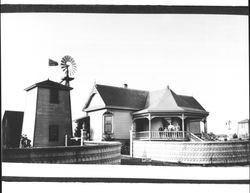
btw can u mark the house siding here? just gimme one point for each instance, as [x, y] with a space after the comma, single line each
[194, 126]
[122, 122]
[96, 125]
[243, 130]
[52, 114]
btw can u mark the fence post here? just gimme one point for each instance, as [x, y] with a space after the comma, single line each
[66, 140]
[82, 137]
[149, 126]
[131, 143]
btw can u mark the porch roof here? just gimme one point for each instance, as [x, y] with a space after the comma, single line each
[166, 101]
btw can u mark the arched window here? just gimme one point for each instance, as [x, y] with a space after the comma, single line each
[107, 123]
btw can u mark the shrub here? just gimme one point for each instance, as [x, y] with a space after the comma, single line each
[25, 142]
[125, 149]
[235, 136]
[108, 137]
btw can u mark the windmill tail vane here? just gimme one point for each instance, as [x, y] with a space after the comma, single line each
[52, 63]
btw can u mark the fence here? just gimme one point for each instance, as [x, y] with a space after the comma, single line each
[90, 153]
[230, 152]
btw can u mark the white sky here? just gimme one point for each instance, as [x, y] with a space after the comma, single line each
[201, 55]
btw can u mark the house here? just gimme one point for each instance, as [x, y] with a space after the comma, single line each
[222, 137]
[243, 129]
[11, 128]
[47, 116]
[116, 110]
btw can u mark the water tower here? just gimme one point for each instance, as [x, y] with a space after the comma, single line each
[47, 116]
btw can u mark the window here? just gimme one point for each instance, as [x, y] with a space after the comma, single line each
[107, 123]
[54, 96]
[53, 133]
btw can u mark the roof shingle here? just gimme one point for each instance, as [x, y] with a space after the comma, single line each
[122, 97]
[145, 101]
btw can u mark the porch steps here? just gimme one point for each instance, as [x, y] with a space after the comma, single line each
[206, 137]
[194, 137]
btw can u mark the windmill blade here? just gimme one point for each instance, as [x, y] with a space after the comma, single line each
[68, 65]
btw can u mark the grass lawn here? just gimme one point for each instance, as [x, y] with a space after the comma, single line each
[127, 160]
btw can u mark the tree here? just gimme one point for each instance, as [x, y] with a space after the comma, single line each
[235, 136]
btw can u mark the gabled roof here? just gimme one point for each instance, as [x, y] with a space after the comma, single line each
[49, 84]
[164, 100]
[119, 97]
[187, 102]
[161, 100]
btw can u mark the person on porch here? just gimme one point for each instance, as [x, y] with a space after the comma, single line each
[177, 127]
[160, 131]
[170, 127]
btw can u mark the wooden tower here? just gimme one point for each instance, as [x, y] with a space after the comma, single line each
[47, 116]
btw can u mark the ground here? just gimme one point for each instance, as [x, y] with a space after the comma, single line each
[127, 160]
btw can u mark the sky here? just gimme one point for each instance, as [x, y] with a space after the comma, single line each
[205, 56]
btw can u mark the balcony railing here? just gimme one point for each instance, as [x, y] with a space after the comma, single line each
[161, 135]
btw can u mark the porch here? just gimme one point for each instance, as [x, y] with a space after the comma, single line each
[168, 126]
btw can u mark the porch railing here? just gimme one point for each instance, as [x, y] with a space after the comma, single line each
[161, 135]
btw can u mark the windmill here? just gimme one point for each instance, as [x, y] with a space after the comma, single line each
[68, 66]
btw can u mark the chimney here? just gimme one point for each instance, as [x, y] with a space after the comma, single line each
[125, 85]
[168, 87]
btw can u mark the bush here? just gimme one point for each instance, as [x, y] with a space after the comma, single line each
[235, 136]
[25, 142]
[125, 149]
[108, 137]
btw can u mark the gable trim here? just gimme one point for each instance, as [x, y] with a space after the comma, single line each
[93, 92]
[109, 107]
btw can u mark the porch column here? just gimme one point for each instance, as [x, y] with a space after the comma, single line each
[149, 126]
[132, 131]
[182, 124]
[205, 125]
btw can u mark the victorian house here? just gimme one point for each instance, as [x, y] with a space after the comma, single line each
[156, 115]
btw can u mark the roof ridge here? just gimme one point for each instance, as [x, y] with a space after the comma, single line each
[122, 88]
[43, 83]
[13, 111]
[184, 95]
